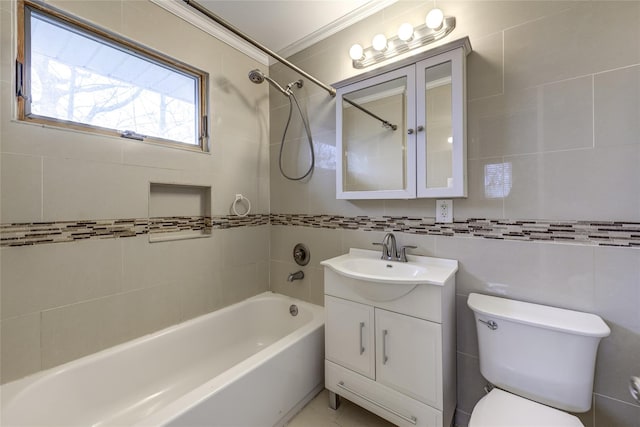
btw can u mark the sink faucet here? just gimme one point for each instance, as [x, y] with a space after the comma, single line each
[390, 251]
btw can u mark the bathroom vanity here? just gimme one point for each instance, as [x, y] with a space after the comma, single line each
[390, 336]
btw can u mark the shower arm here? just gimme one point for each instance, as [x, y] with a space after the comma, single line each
[245, 37]
[385, 123]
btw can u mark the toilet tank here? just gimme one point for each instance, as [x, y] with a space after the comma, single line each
[543, 353]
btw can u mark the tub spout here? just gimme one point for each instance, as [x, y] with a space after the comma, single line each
[298, 275]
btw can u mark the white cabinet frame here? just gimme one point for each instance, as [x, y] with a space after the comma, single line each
[416, 143]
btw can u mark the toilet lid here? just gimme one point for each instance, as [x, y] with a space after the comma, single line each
[502, 409]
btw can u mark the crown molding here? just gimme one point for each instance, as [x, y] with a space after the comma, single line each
[181, 10]
[330, 29]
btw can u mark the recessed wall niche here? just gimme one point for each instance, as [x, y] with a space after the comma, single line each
[179, 211]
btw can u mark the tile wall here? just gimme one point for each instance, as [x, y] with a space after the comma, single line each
[61, 301]
[554, 93]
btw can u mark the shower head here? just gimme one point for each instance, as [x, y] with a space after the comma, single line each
[257, 77]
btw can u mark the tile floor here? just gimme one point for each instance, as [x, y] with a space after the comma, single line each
[318, 414]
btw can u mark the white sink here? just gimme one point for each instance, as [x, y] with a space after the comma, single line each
[382, 280]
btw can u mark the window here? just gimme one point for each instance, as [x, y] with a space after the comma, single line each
[73, 75]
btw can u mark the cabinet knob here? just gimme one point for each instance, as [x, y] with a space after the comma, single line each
[420, 128]
[410, 131]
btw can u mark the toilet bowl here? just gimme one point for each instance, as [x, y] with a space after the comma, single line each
[502, 409]
[540, 359]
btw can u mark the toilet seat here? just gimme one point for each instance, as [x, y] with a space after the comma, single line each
[502, 409]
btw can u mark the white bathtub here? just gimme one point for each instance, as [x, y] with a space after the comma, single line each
[250, 364]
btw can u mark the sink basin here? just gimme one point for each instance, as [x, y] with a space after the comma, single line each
[382, 280]
[382, 271]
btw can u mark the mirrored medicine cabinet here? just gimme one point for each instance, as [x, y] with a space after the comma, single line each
[401, 129]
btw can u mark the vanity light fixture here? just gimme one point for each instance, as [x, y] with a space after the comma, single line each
[405, 32]
[379, 42]
[434, 19]
[356, 52]
[436, 27]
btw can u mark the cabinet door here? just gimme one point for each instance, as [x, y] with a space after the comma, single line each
[441, 143]
[349, 335]
[409, 356]
[375, 150]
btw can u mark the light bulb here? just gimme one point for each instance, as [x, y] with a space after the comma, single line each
[405, 32]
[379, 42]
[434, 19]
[356, 52]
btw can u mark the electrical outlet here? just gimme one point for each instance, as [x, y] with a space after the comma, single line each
[444, 210]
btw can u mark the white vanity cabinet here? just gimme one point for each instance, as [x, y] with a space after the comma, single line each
[395, 357]
[409, 356]
[351, 327]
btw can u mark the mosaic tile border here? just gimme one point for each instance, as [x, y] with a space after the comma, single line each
[35, 233]
[594, 233]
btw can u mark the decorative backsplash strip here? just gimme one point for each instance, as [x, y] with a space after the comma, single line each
[34, 233]
[601, 233]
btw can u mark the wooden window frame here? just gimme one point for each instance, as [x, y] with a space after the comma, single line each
[23, 89]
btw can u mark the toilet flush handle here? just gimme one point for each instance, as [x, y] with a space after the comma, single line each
[634, 388]
[490, 324]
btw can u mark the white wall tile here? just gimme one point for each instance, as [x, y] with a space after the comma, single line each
[537, 52]
[103, 13]
[617, 275]
[240, 283]
[613, 413]
[148, 264]
[546, 118]
[466, 334]
[489, 182]
[544, 273]
[484, 67]
[6, 45]
[20, 346]
[471, 381]
[69, 332]
[503, 124]
[21, 188]
[567, 114]
[75, 189]
[592, 184]
[40, 277]
[50, 142]
[617, 107]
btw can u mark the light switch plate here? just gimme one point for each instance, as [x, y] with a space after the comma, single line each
[444, 211]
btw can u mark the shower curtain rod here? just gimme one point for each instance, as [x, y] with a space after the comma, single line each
[245, 37]
[387, 124]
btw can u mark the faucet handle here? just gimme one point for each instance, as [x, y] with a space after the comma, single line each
[402, 257]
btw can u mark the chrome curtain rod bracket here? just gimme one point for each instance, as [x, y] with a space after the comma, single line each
[248, 39]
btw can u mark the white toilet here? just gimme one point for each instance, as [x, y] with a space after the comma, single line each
[538, 358]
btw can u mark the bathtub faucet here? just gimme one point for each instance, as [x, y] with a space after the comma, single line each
[298, 275]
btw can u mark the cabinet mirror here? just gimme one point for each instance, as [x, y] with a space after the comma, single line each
[375, 144]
